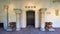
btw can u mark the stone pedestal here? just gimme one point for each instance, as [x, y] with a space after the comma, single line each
[9, 29]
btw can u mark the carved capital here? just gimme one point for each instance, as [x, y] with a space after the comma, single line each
[42, 10]
[18, 11]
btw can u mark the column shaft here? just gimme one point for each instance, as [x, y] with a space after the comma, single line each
[18, 22]
[42, 22]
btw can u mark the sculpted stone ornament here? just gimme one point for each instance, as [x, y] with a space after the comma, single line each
[55, 1]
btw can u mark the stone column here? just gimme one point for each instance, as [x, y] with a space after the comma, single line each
[18, 15]
[18, 18]
[6, 19]
[42, 14]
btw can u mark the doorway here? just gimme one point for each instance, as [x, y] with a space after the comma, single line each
[1, 25]
[30, 16]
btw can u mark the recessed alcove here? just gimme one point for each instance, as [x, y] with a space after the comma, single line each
[1, 25]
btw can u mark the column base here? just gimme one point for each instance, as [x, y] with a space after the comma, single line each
[42, 29]
[18, 29]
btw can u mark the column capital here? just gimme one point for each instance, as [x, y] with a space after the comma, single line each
[18, 11]
[42, 10]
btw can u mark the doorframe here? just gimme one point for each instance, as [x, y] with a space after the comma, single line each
[26, 16]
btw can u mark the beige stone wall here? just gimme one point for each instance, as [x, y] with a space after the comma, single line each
[38, 3]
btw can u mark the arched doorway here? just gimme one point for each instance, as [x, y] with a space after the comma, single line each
[30, 16]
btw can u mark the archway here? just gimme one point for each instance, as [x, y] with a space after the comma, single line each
[30, 18]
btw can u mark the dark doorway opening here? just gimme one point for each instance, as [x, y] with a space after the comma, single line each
[1, 25]
[30, 16]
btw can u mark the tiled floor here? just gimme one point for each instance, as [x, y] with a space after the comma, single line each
[30, 30]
